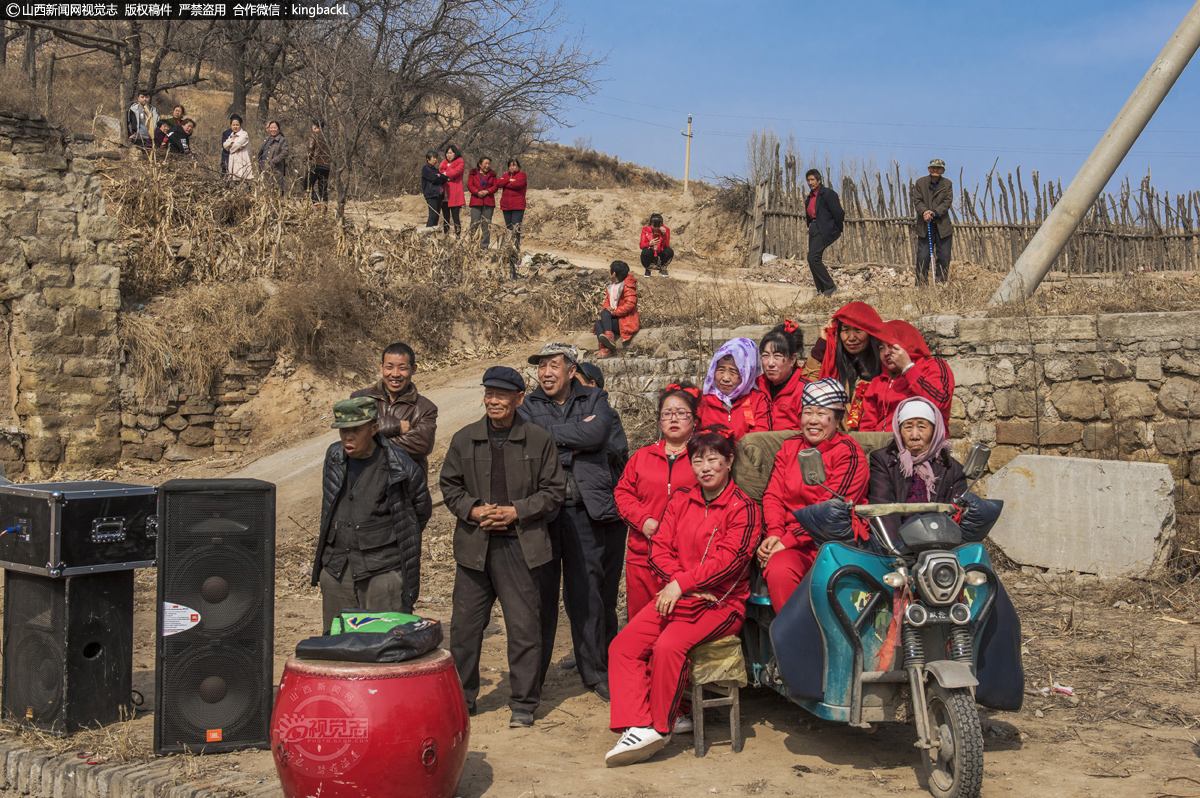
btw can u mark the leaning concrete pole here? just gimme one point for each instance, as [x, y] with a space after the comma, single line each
[1098, 169]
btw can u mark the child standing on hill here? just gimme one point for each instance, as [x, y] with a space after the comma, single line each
[656, 245]
[619, 320]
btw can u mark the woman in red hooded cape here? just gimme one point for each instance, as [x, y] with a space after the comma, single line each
[853, 360]
[909, 370]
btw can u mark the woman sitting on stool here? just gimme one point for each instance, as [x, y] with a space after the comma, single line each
[702, 551]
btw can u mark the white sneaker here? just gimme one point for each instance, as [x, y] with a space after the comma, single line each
[683, 725]
[635, 745]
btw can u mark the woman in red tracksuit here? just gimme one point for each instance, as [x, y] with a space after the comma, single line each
[848, 351]
[787, 552]
[909, 370]
[481, 184]
[729, 399]
[702, 552]
[512, 201]
[782, 383]
[650, 478]
[453, 200]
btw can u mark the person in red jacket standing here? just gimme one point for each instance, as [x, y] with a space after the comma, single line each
[656, 245]
[729, 399]
[512, 201]
[651, 477]
[788, 551]
[619, 319]
[452, 201]
[782, 383]
[481, 184]
[909, 370]
[702, 552]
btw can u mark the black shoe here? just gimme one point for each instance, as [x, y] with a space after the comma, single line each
[567, 664]
[647, 272]
[472, 711]
[601, 690]
[521, 719]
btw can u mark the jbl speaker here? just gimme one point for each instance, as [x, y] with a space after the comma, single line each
[68, 650]
[216, 602]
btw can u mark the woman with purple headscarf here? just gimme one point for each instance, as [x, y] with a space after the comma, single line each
[729, 402]
[916, 466]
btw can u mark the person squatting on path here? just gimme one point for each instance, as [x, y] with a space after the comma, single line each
[853, 360]
[406, 418]
[433, 188]
[452, 201]
[782, 383]
[908, 370]
[729, 399]
[580, 420]
[932, 196]
[653, 475]
[825, 216]
[374, 508]
[701, 551]
[787, 552]
[481, 185]
[501, 479]
[619, 318]
[655, 244]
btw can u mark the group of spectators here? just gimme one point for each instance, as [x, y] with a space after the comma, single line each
[442, 188]
[171, 136]
[546, 496]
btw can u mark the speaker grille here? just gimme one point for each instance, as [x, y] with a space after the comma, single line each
[217, 545]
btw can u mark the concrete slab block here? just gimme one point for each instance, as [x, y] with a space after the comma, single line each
[1090, 516]
[1149, 325]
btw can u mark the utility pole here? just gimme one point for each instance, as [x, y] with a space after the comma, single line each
[1029, 270]
[687, 158]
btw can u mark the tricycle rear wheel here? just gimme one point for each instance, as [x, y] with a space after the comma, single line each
[954, 762]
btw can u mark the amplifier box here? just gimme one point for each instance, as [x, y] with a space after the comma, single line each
[71, 528]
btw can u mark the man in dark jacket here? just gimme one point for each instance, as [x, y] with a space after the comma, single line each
[932, 196]
[501, 479]
[580, 420]
[825, 216]
[433, 187]
[374, 507]
[406, 418]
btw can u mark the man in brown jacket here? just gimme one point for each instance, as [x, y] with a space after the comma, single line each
[932, 196]
[320, 159]
[406, 418]
[501, 479]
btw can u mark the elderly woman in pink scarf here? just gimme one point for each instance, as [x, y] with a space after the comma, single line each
[916, 466]
[730, 402]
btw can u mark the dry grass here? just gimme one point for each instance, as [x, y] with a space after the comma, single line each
[119, 743]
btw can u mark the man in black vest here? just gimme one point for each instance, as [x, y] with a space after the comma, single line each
[374, 507]
[825, 216]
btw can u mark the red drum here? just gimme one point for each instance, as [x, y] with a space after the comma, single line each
[348, 730]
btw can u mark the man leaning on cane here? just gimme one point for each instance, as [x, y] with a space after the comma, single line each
[932, 196]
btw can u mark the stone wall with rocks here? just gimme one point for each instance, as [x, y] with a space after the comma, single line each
[59, 299]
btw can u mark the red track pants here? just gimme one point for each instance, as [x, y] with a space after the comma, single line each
[648, 664]
[784, 572]
[641, 584]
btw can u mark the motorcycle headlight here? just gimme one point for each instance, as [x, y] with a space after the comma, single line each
[940, 578]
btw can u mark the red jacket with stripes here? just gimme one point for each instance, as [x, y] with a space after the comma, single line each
[929, 376]
[747, 414]
[846, 473]
[783, 409]
[648, 482]
[707, 545]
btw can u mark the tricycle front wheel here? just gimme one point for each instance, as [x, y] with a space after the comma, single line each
[954, 762]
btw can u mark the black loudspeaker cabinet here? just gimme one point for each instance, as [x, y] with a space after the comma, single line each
[216, 599]
[68, 650]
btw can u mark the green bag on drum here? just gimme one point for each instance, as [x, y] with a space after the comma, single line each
[361, 621]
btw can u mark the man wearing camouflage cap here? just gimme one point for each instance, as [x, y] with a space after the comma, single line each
[581, 422]
[374, 507]
[932, 197]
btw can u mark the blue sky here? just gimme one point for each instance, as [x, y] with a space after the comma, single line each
[1033, 83]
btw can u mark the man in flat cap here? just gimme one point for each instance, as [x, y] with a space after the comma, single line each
[581, 422]
[374, 507]
[501, 479]
[932, 197]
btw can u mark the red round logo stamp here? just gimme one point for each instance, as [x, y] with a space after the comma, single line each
[326, 732]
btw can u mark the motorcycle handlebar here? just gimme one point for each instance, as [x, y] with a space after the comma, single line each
[876, 510]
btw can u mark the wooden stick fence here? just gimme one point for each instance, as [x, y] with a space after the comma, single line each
[1139, 229]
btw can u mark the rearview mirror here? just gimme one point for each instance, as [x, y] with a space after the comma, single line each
[977, 461]
[811, 467]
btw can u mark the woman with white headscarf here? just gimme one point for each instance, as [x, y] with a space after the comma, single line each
[730, 402]
[916, 466]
